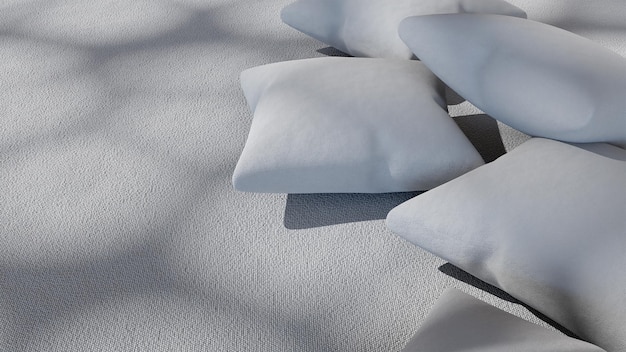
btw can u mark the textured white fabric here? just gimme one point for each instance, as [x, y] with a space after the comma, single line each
[545, 223]
[537, 78]
[461, 323]
[369, 28]
[330, 125]
[119, 227]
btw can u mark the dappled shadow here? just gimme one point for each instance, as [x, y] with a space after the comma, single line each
[118, 120]
[38, 298]
[198, 27]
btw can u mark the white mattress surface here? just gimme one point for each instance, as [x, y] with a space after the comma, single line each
[122, 122]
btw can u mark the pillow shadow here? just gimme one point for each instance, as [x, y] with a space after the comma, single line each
[484, 134]
[303, 211]
[452, 97]
[331, 51]
[461, 275]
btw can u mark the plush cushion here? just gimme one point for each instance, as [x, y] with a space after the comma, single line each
[461, 323]
[345, 125]
[545, 223]
[370, 27]
[536, 78]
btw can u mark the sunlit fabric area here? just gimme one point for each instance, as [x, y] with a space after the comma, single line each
[121, 124]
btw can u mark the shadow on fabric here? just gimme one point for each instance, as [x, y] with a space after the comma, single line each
[483, 132]
[304, 211]
[469, 279]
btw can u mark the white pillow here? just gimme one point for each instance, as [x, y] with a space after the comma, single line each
[536, 78]
[370, 27]
[545, 223]
[459, 322]
[345, 125]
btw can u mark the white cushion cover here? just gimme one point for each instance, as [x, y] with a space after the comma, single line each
[545, 223]
[461, 323]
[370, 27]
[336, 124]
[536, 78]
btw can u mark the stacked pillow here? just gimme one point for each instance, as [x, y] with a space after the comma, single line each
[339, 124]
[545, 223]
[536, 78]
[459, 322]
[369, 28]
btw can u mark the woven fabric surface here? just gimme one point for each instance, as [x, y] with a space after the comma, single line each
[122, 122]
